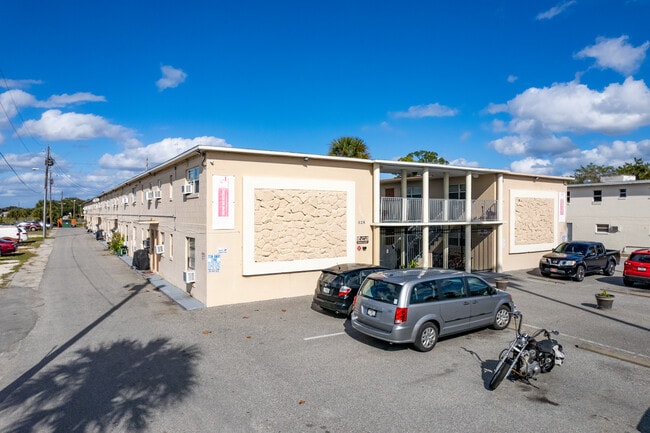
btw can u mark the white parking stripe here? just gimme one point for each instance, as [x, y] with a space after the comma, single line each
[323, 336]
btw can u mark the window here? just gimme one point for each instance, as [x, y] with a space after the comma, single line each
[191, 254]
[193, 178]
[423, 292]
[568, 197]
[478, 287]
[414, 192]
[171, 186]
[452, 288]
[134, 192]
[602, 228]
[457, 192]
[622, 193]
[598, 196]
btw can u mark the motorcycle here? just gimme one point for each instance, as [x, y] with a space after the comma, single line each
[527, 357]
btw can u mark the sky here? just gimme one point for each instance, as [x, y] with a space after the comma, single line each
[114, 87]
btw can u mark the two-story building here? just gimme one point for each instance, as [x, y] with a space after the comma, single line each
[613, 211]
[234, 225]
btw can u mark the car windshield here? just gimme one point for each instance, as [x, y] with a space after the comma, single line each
[641, 258]
[380, 291]
[571, 248]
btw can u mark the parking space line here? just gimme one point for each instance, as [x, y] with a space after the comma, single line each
[323, 336]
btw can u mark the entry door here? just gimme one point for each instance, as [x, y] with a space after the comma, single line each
[153, 235]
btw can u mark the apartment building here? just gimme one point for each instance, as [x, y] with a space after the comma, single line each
[614, 211]
[234, 225]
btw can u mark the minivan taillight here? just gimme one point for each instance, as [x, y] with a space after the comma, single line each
[344, 291]
[400, 315]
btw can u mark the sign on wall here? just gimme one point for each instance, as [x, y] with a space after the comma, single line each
[223, 202]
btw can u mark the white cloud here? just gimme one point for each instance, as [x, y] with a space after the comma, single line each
[512, 78]
[18, 84]
[510, 145]
[554, 11]
[156, 153]
[532, 166]
[57, 126]
[430, 110]
[65, 99]
[573, 107]
[462, 162]
[171, 78]
[13, 100]
[616, 53]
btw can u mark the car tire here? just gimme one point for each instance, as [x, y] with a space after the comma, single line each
[427, 337]
[501, 318]
[628, 282]
[580, 274]
[609, 269]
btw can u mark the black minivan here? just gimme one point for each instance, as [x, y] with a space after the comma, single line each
[337, 286]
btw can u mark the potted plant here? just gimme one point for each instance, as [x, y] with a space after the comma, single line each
[604, 300]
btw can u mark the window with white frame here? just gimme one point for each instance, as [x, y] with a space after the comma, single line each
[191, 254]
[457, 192]
[193, 178]
[602, 228]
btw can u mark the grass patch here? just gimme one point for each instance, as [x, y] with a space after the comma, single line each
[26, 251]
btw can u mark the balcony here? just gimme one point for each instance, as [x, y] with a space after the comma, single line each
[409, 210]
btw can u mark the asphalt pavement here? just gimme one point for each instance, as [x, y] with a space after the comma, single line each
[90, 345]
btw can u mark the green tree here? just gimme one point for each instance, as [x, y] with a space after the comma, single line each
[638, 168]
[349, 147]
[592, 173]
[424, 156]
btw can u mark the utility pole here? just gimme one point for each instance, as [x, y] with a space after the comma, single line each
[49, 162]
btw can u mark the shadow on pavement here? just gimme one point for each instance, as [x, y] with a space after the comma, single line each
[122, 384]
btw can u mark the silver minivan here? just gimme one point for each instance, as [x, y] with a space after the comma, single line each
[419, 305]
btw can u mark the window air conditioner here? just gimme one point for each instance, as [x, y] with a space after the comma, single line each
[148, 195]
[146, 244]
[189, 276]
[188, 188]
[613, 229]
[125, 200]
[160, 248]
[157, 195]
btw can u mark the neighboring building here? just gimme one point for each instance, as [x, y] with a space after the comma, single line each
[614, 212]
[233, 225]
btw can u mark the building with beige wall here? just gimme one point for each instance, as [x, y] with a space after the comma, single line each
[232, 225]
[613, 211]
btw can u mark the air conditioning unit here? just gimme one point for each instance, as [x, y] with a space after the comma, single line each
[160, 248]
[157, 195]
[189, 276]
[125, 200]
[613, 229]
[148, 195]
[146, 244]
[188, 188]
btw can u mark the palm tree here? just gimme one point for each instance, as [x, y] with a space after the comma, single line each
[349, 147]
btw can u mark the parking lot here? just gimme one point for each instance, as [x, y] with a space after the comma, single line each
[111, 354]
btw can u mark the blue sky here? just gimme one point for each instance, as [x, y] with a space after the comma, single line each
[530, 86]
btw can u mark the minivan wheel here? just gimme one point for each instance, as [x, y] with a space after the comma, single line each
[427, 337]
[501, 318]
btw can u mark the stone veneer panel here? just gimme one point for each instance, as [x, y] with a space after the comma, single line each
[292, 224]
[534, 220]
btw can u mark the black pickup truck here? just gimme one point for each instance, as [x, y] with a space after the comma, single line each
[576, 259]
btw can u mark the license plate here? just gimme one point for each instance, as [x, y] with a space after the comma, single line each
[327, 290]
[371, 312]
[553, 270]
[641, 268]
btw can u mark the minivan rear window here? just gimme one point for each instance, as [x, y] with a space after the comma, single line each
[380, 291]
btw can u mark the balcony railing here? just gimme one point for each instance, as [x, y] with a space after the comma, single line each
[409, 210]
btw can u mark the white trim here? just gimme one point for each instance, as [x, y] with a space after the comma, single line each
[250, 184]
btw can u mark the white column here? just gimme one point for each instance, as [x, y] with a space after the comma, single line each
[500, 217]
[468, 220]
[425, 218]
[445, 215]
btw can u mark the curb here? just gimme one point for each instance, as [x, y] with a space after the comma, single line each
[615, 353]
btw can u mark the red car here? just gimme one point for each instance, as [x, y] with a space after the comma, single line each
[637, 268]
[7, 247]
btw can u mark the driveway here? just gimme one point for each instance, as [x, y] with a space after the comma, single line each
[106, 352]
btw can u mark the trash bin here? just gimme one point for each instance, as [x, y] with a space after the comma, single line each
[502, 284]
